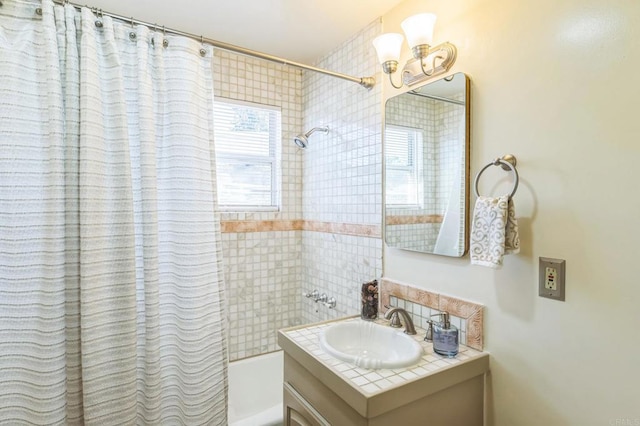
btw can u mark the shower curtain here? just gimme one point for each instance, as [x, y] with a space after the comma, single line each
[111, 292]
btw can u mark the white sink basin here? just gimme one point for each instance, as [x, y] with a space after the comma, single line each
[370, 345]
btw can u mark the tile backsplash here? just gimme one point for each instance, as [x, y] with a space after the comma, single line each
[420, 303]
[421, 314]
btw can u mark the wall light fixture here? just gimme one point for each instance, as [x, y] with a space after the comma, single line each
[419, 32]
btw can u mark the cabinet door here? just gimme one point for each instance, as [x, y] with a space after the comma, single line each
[295, 418]
[298, 412]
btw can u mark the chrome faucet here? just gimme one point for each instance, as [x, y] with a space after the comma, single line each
[408, 322]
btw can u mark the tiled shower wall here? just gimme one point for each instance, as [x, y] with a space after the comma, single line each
[262, 259]
[342, 176]
[327, 234]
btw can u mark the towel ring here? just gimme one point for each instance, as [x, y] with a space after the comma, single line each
[508, 162]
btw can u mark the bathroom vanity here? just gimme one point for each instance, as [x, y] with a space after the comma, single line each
[322, 390]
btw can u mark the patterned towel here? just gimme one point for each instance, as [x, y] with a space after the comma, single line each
[494, 231]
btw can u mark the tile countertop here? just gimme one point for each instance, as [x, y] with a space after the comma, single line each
[432, 373]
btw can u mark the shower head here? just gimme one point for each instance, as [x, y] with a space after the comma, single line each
[302, 140]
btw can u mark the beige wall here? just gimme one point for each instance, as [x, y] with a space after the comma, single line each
[556, 84]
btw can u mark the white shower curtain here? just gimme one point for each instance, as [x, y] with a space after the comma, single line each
[111, 292]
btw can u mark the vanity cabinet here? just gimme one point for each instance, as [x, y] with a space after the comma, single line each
[316, 393]
[298, 411]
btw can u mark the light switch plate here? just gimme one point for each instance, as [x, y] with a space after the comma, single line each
[551, 278]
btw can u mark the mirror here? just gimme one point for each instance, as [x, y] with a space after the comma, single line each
[426, 160]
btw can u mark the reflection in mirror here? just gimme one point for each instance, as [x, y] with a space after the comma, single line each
[426, 151]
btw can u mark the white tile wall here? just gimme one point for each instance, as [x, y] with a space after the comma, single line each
[337, 179]
[418, 237]
[253, 80]
[263, 269]
[342, 175]
[262, 272]
[337, 265]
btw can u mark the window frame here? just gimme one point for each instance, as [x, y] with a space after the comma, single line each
[274, 159]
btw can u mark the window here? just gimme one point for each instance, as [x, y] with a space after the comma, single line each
[247, 139]
[403, 151]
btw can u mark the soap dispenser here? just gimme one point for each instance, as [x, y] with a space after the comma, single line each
[445, 336]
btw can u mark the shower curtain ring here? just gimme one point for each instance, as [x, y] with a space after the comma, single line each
[165, 42]
[132, 33]
[98, 12]
[203, 51]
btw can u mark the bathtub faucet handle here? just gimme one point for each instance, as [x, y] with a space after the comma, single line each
[331, 303]
[315, 295]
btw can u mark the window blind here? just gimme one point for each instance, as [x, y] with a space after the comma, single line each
[246, 140]
[401, 159]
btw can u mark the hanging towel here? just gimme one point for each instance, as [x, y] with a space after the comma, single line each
[494, 231]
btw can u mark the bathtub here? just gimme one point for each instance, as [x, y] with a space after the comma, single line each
[255, 391]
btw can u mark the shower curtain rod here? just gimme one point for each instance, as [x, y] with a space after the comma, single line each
[437, 98]
[366, 82]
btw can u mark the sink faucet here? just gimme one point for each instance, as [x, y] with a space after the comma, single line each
[408, 322]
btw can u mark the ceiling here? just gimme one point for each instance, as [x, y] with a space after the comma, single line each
[298, 30]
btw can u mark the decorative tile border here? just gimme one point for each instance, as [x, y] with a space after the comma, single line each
[470, 312]
[412, 219]
[241, 226]
[343, 228]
